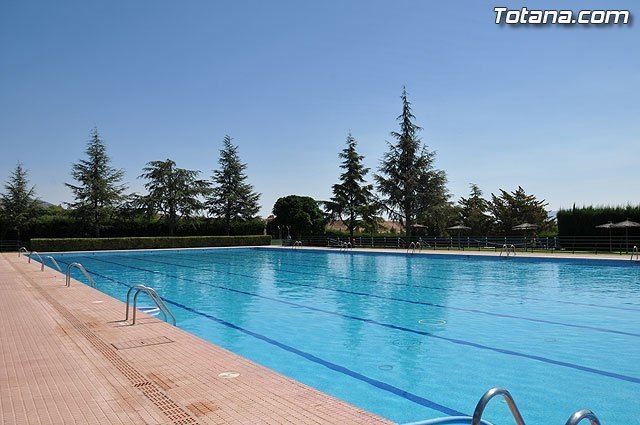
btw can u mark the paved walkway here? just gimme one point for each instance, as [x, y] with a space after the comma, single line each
[66, 359]
[471, 252]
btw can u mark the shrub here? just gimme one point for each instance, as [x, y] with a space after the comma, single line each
[583, 221]
[97, 244]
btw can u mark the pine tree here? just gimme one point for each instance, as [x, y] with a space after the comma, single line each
[407, 179]
[512, 209]
[474, 212]
[352, 201]
[99, 191]
[231, 197]
[19, 204]
[173, 192]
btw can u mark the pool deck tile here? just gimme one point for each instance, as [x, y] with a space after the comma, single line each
[67, 359]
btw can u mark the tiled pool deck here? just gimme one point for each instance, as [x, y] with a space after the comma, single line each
[66, 359]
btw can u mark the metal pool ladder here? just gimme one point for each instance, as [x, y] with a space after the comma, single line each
[82, 269]
[41, 260]
[166, 313]
[635, 253]
[21, 250]
[53, 260]
[344, 246]
[508, 249]
[413, 246]
[574, 419]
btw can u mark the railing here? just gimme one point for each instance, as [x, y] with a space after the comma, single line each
[10, 245]
[53, 260]
[153, 295]
[575, 244]
[635, 252]
[41, 260]
[296, 244]
[583, 414]
[21, 250]
[413, 246]
[508, 249]
[482, 404]
[82, 269]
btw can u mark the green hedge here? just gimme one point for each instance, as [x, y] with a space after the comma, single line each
[583, 221]
[97, 244]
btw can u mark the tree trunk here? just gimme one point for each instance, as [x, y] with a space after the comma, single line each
[408, 222]
[351, 226]
[96, 220]
[172, 221]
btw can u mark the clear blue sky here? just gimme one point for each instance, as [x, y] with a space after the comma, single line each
[552, 109]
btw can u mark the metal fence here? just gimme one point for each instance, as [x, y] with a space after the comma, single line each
[591, 244]
[8, 245]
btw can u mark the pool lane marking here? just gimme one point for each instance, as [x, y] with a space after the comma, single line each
[548, 300]
[403, 329]
[308, 356]
[365, 294]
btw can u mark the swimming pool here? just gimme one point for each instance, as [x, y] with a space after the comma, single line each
[410, 337]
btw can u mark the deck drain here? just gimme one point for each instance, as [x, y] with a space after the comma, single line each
[97, 302]
[123, 345]
[385, 367]
[228, 375]
[172, 411]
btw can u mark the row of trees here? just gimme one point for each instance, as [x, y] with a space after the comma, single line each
[407, 188]
[410, 189]
[173, 193]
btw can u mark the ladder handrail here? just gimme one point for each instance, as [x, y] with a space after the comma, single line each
[26, 251]
[82, 269]
[157, 300]
[482, 404]
[41, 260]
[635, 252]
[55, 263]
[583, 414]
[508, 249]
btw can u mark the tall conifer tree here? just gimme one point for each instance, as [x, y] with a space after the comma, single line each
[407, 179]
[99, 191]
[231, 197]
[352, 201]
[19, 204]
[173, 192]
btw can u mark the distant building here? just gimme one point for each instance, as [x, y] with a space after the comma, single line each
[387, 226]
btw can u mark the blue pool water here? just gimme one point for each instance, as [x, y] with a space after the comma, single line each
[410, 337]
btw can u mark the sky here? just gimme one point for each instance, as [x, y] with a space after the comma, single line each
[552, 109]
